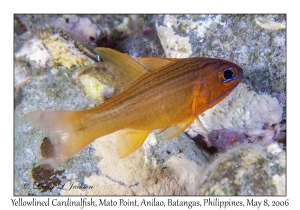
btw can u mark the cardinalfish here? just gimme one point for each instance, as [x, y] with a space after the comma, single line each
[168, 96]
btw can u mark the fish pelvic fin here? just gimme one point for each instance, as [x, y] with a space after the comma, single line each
[129, 140]
[196, 101]
[171, 132]
[65, 135]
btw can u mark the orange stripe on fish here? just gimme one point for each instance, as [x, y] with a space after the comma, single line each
[168, 97]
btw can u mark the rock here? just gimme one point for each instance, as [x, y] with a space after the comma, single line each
[177, 176]
[246, 170]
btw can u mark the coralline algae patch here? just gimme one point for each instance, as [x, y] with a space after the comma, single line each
[48, 50]
[225, 139]
[246, 170]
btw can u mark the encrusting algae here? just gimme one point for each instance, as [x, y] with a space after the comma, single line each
[169, 96]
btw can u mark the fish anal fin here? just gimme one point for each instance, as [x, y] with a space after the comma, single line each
[175, 130]
[122, 66]
[155, 63]
[129, 140]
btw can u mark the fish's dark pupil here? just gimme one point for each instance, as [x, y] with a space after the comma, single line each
[228, 74]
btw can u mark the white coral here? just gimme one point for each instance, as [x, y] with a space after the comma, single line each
[35, 52]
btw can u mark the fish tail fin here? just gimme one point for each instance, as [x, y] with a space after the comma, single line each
[65, 135]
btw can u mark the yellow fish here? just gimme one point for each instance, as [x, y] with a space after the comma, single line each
[169, 96]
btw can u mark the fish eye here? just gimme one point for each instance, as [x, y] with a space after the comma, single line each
[227, 74]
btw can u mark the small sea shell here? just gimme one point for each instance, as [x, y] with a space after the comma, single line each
[95, 81]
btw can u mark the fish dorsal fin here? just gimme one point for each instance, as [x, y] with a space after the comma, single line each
[171, 132]
[155, 63]
[122, 66]
[129, 140]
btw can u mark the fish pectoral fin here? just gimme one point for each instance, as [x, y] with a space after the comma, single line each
[129, 140]
[175, 130]
[122, 66]
[155, 63]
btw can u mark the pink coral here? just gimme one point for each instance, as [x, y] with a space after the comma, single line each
[225, 139]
